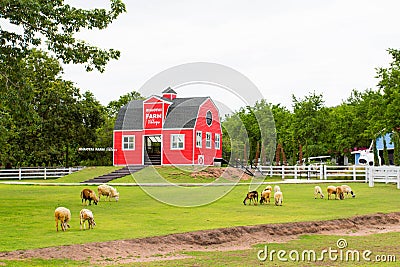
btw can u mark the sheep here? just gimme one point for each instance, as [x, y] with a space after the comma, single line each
[337, 190]
[318, 191]
[268, 188]
[108, 191]
[347, 189]
[277, 188]
[86, 215]
[340, 192]
[252, 196]
[64, 215]
[88, 194]
[278, 196]
[265, 196]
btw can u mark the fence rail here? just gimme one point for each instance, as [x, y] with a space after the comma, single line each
[35, 173]
[383, 174]
[322, 172]
[369, 174]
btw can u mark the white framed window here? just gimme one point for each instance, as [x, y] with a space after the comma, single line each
[217, 141]
[128, 142]
[208, 140]
[198, 139]
[177, 141]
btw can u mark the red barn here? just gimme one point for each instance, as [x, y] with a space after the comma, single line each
[168, 130]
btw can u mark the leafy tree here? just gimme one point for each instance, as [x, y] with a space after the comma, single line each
[54, 24]
[114, 106]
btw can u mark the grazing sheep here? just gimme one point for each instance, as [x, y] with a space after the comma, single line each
[64, 215]
[277, 188]
[108, 191]
[340, 192]
[331, 190]
[86, 215]
[318, 191]
[268, 188]
[278, 196]
[347, 189]
[88, 194]
[252, 196]
[337, 190]
[265, 196]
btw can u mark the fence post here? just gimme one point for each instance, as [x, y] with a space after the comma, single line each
[321, 171]
[371, 177]
[19, 174]
[270, 171]
[283, 172]
[45, 173]
[398, 179]
[295, 171]
[354, 172]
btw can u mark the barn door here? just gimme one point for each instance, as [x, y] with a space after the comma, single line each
[152, 150]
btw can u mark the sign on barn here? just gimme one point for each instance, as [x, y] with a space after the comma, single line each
[168, 130]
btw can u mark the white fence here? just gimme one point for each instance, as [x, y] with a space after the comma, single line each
[370, 174]
[383, 174]
[35, 173]
[322, 172]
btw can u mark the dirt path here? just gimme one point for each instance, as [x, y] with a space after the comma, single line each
[235, 238]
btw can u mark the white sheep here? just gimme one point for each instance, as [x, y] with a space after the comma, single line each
[278, 196]
[108, 191]
[277, 188]
[86, 215]
[63, 215]
[318, 191]
[347, 189]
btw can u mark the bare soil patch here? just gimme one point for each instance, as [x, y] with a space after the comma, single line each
[169, 247]
[229, 173]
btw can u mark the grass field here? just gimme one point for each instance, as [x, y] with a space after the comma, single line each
[27, 213]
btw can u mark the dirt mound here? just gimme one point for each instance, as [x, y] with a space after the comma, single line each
[241, 237]
[229, 173]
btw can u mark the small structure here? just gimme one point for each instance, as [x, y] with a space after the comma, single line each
[167, 130]
[389, 146]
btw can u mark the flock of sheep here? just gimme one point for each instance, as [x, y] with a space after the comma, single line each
[266, 194]
[63, 214]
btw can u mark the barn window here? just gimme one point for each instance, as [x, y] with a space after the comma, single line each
[217, 141]
[209, 118]
[208, 140]
[128, 142]
[198, 139]
[177, 141]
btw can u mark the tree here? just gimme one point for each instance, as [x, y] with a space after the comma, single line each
[54, 23]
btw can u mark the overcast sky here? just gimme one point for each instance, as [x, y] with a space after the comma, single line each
[284, 47]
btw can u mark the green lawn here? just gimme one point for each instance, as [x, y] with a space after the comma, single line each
[28, 222]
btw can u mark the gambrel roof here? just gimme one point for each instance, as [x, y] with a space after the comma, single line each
[182, 113]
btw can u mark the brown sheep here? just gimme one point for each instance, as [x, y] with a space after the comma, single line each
[337, 190]
[252, 196]
[63, 215]
[265, 196]
[88, 194]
